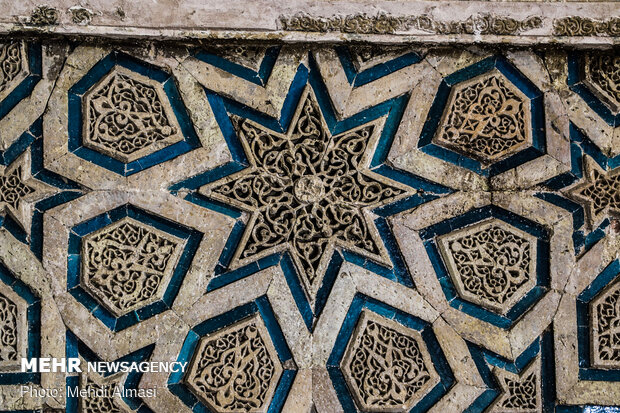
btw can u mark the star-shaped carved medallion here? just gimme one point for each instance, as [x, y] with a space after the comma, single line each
[598, 191]
[307, 192]
[19, 190]
[521, 393]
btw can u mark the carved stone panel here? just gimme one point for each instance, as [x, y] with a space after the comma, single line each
[486, 118]
[128, 116]
[521, 393]
[13, 66]
[602, 75]
[102, 394]
[13, 328]
[387, 366]
[492, 263]
[236, 369]
[605, 327]
[308, 191]
[128, 265]
[598, 191]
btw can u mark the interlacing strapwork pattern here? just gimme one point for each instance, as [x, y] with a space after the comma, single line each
[387, 365]
[603, 71]
[95, 403]
[491, 263]
[127, 116]
[128, 264]
[13, 64]
[605, 324]
[307, 191]
[236, 369]
[8, 329]
[12, 189]
[598, 191]
[521, 394]
[487, 118]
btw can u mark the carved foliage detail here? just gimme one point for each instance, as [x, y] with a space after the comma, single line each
[8, 329]
[487, 118]
[603, 76]
[387, 366]
[98, 404]
[128, 264]
[236, 369]
[307, 191]
[598, 191]
[582, 26]
[13, 66]
[12, 188]
[491, 264]
[605, 327]
[521, 394]
[128, 116]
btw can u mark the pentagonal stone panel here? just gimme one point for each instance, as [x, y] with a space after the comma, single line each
[128, 265]
[605, 327]
[602, 75]
[487, 118]
[13, 66]
[387, 366]
[128, 116]
[236, 369]
[492, 264]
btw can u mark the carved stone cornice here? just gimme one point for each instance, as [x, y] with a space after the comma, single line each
[386, 24]
[582, 26]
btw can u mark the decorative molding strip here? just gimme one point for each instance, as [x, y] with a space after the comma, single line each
[386, 24]
[480, 24]
[357, 23]
[583, 26]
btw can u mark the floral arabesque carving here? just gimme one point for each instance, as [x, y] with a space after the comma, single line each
[8, 329]
[128, 116]
[128, 264]
[598, 191]
[605, 327]
[583, 26]
[236, 369]
[602, 75]
[308, 191]
[486, 118]
[491, 263]
[387, 366]
[13, 66]
[521, 393]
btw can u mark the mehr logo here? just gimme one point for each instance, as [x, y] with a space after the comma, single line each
[74, 365]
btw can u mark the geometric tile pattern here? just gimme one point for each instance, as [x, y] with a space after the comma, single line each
[339, 228]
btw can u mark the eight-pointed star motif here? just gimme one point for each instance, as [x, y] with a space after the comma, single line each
[307, 192]
[19, 190]
[598, 191]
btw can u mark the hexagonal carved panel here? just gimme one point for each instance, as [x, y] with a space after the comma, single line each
[13, 66]
[492, 264]
[128, 116]
[236, 369]
[387, 366]
[604, 327]
[602, 75]
[487, 118]
[128, 265]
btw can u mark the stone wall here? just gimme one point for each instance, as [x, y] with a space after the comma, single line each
[348, 213]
